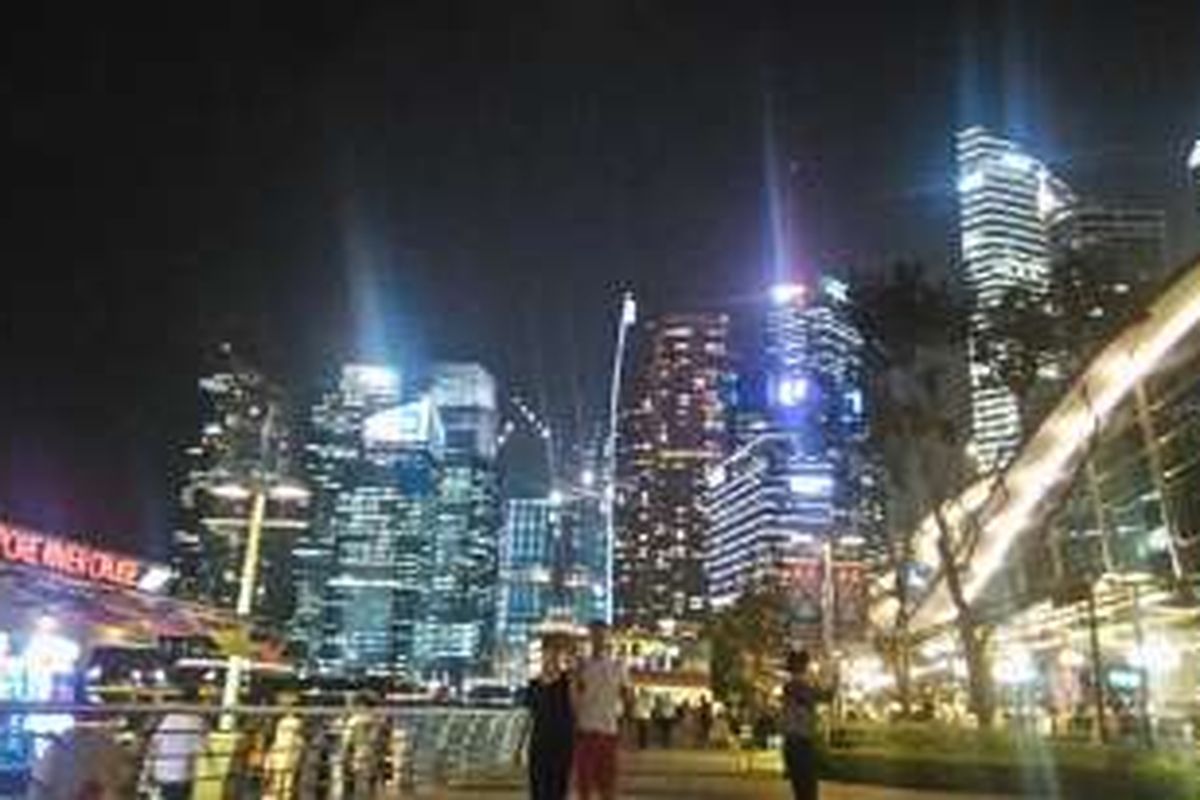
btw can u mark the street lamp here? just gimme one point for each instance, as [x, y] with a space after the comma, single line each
[258, 491]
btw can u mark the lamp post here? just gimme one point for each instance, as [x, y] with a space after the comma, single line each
[258, 492]
[627, 320]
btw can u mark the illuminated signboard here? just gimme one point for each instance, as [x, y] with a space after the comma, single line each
[74, 560]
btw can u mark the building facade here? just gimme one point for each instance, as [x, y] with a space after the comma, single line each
[243, 447]
[799, 501]
[375, 463]
[672, 430]
[552, 573]
[1006, 197]
[1106, 262]
[463, 599]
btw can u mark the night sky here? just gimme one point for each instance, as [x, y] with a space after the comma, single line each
[413, 180]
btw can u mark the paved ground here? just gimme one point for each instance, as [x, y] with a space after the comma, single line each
[705, 776]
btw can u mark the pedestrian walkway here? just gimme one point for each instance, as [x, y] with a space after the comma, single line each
[657, 774]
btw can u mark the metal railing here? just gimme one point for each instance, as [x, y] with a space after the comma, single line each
[280, 752]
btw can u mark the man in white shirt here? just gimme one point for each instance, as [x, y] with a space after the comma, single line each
[599, 687]
[176, 745]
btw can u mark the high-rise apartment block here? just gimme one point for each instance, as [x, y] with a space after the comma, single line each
[672, 430]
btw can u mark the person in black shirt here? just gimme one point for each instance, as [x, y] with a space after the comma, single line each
[552, 738]
[800, 699]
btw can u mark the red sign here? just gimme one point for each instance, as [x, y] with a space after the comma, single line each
[23, 546]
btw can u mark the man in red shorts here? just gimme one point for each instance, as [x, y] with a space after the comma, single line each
[600, 685]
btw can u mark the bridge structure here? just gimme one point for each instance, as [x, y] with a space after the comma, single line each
[991, 518]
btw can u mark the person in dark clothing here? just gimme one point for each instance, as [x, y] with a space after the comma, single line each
[705, 721]
[800, 699]
[552, 738]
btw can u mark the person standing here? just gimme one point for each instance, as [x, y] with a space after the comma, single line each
[175, 747]
[281, 762]
[599, 687]
[704, 722]
[800, 699]
[664, 718]
[641, 718]
[552, 738]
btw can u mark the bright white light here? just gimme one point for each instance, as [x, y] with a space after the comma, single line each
[792, 391]
[289, 492]
[587, 478]
[1048, 200]
[836, 289]
[1018, 161]
[556, 497]
[230, 491]
[716, 476]
[1159, 540]
[411, 423]
[51, 653]
[1194, 158]
[784, 293]
[970, 182]
[811, 485]
[1015, 666]
[855, 400]
[155, 579]
[372, 377]
[628, 309]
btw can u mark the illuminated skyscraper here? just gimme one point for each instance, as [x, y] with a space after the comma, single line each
[802, 483]
[673, 430]
[375, 463]
[243, 440]
[1105, 260]
[463, 599]
[1005, 199]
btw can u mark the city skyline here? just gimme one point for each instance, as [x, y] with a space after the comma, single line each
[351, 261]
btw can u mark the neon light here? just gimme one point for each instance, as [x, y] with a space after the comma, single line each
[23, 546]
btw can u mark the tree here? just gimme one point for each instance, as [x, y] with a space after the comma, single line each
[748, 640]
[912, 329]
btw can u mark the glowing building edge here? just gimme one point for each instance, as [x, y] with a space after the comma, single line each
[1048, 458]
